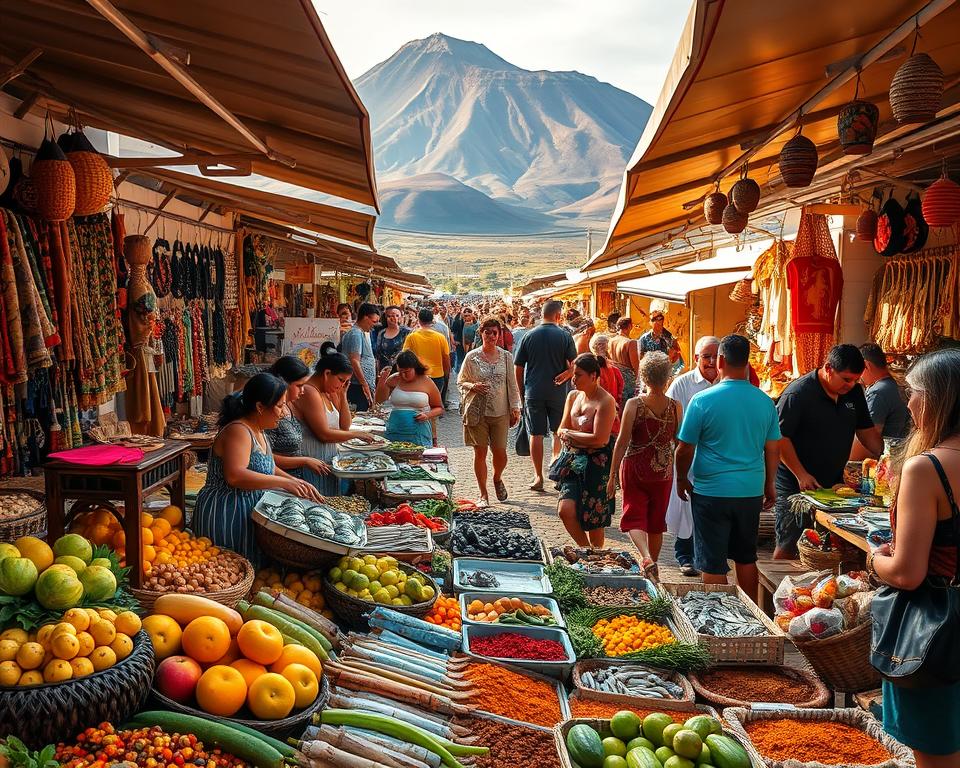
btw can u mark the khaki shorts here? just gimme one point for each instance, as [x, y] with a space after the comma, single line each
[492, 431]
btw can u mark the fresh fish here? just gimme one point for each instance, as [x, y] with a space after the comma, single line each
[631, 680]
[720, 614]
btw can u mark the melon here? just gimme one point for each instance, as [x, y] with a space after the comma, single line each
[74, 545]
[58, 588]
[98, 582]
[17, 575]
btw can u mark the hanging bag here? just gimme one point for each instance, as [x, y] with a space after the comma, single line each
[916, 633]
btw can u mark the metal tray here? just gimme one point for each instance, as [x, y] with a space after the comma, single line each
[364, 447]
[542, 561]
[558, 669]
[349, 474]
[488, 597]
[297, 535]
[415, 489]
[515, 578]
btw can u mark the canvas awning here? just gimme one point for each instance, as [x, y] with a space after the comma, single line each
[741, 73]
[677, 286]
[286, 105]
[327, 220]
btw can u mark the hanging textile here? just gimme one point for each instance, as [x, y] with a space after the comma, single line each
[243, 328]
[815, 281]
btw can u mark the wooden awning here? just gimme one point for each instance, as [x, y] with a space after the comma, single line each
[256, 81]
[741, 74]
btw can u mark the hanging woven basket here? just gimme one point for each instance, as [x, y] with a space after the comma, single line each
[916, 92]
[55, 181]
[734, 220]
[857, 127]
[941, 203]
[798, 161]
[742, 292]
[867, 225]
[713, 206]
[745, 194]
[94, 180]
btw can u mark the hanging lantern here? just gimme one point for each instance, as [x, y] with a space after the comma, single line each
[941, 203]
[857, 124]
[867, 225]
[916, 92]
[713, 205]
[798, 161]
[745, 194]
[94, 180]
[55, 182]
[734, 220]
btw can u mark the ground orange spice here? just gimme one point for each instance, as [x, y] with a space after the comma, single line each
[513, 695]
[805, 741]
[605, 709]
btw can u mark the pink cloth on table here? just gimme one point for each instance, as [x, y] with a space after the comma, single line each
[99, 455]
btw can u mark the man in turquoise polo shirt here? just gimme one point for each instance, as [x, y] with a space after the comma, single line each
[730, 435]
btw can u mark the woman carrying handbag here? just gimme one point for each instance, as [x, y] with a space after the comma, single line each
[916, 614]
[490, 404]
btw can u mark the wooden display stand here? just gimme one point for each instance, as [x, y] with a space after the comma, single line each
[129, 483]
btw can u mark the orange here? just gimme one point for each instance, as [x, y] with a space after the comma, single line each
[106, 613]
[103, 632]
[103, 657]
[64, 646]
[20, 635]
[120, 541]
[78, 617]
[304, 682]
[271, 697]
[57, 671]
[63, 628]
[249, 669]
[99, 534]
[149, 553]
[172, 515]
[128, 622]
[297, 654]
[233, 653]
[102, 517]
[30, 656]
[221, 690]
[81, 666]
[87, 643]
[146, 535]
[165, 634]
[9, 648]
[146, 519]
[10, 673]
[260, 642]
[32, 677]
[207, 638]
[160, 528]
[122, 646]
[94, 616]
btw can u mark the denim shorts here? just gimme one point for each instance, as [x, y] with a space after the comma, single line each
[724, 529]
[543, 415]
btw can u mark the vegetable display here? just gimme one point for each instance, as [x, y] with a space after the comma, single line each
[530, 700]
[511, 645]
[593, 708]
[568, 587]
[445, 613]
[627, 634]
[403, 446]
[434, 507]
[305, 588]
[485, 541]
[379, 580]
[511, 610]
[405, 514]
[497, 518]
[825, 742]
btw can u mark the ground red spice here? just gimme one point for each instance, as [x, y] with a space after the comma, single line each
[806, 741]
[605, 709]
[512, 645]
[764, 685]
[527, 700]
[511, 745]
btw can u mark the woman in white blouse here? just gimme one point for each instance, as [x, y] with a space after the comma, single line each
[490, 404]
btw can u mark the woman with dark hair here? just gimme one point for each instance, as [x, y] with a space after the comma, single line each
[925, 550]
[582, 469]
[415, 399]
[324, 413]
[241, 467]
[390, 339]
[490, 400]
[286, 439]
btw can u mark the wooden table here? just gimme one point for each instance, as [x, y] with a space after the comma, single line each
[129, 483]
[829, 521]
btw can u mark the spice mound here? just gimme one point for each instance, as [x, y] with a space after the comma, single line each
[806, 741]
[528, 700]
[609, 596]
[511, 745]
[627, 634]
[511, 645]
[760, 685]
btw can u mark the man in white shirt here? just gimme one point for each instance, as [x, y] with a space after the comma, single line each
[683, 388]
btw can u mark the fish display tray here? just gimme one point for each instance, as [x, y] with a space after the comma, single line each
[516, 578]
[412, 490]
[488, 597]
[557, 669]
[755, 649]
[684, 704]
[294, 534]
[361, 447]
[389, 467]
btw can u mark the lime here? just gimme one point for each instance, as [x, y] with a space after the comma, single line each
[653, 725]
[614, 761]
[613, 746]
[687, 744]
[625, 725]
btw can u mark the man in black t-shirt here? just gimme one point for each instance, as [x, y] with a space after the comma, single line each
[820, 413]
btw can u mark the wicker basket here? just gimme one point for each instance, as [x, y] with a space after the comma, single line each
[713, 205]
[31, 524]
[353, 611]
[822, 697]
[94, 180]
[843, 661]
[767, 530]
[734, 220]
[814, 559]
[742, 292]
[758, 649]
[745, 195]
[685, 704]
[55, 182]
[291, 552]
[52, 712]
[228, 597]
[603, 728]
[916, 91]
[798, 161]
[293, 725]
[737, 718]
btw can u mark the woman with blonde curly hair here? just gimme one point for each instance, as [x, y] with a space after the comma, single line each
[643, 456]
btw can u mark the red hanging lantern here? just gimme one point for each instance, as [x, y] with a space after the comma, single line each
[941, 202]
[867, 225]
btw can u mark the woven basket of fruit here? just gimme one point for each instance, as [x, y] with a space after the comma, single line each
[50, 705]
[353, 609]
[226, 578]
[22, 513]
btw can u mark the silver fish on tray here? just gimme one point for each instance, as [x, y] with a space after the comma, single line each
[631, 680]
[720, 614]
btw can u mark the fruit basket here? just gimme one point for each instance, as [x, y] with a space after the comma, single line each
[229, 596]
[31, 520]
[292, 725]
[45, 713]
[354, 610]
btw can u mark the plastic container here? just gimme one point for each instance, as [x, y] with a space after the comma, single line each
[488, 597]
[513, 577]
[558, 669]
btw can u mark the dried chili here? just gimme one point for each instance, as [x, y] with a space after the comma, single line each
[806, 741]
[757, 685]
[512, 645]
[580, 707]
[512, 745]
[530, 700]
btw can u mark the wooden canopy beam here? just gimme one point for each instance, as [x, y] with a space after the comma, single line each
[20, 67]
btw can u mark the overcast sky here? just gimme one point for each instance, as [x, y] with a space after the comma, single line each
[628, 43]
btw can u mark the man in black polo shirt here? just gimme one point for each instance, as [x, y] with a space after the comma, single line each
[819, 415]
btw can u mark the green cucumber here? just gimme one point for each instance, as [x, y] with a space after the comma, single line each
[727, 753]
[585, 746]
[284, 749]
[253, 749]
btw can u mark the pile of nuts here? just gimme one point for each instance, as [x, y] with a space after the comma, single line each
[220, 572]
[18, 504]
[352, 505]
[609, 596]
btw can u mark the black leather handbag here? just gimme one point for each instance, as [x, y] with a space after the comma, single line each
[916, 633]
[522, 445]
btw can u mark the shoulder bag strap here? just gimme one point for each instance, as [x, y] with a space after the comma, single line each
[954, 510]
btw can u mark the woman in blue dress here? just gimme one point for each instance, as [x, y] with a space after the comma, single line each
[415, 399]
[242, 468]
